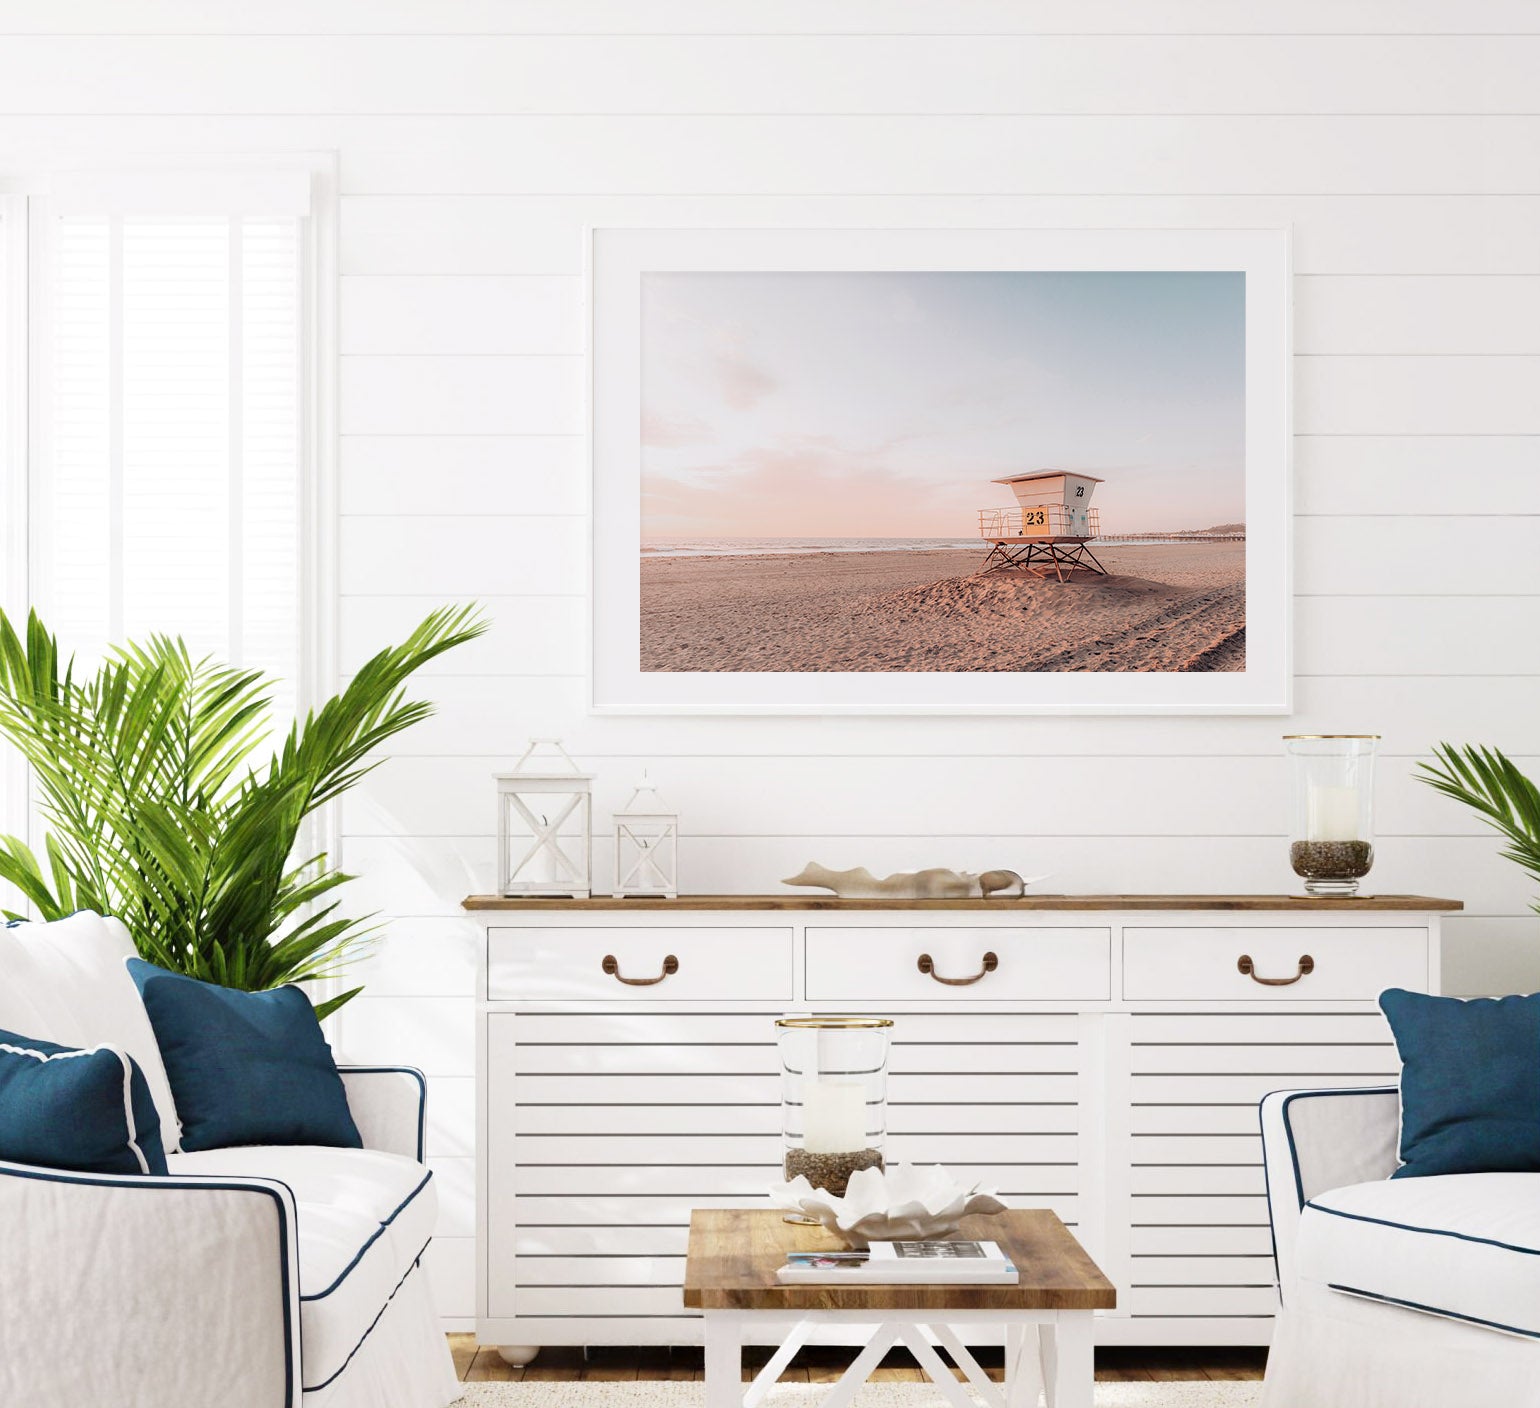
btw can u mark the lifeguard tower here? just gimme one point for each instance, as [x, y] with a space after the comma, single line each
[1051, 526]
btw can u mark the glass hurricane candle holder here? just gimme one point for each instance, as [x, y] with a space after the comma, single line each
[834, 1096]
[1331, 830]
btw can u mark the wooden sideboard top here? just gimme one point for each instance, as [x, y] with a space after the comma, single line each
[1054, 903]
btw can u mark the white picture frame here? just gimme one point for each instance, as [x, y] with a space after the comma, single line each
[618, 258]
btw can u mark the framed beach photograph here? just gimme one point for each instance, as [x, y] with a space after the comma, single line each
[940, 471]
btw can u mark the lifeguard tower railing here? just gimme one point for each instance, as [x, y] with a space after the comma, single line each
[1043, 521]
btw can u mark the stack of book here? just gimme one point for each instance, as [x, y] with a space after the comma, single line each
[900, 1263]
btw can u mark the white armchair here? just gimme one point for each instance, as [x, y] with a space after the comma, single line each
[255, 1277]
[1404, 1293]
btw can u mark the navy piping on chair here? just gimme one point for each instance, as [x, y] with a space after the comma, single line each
[378, 1232]
[1434, 1310]
[1429, 1231]
[1289, 1097]
[194, 1185]
[315, 1388]
[422, 1096]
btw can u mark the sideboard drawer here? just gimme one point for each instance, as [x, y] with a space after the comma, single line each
[1344, 964]
[631, 962]
[890, 964]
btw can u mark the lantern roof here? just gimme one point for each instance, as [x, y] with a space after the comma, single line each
[1049, 474]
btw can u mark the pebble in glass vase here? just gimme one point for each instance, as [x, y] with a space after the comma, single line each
[1331, 832]
[833, 1096]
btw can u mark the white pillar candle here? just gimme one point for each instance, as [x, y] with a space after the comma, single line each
[833, 1116]
[1331, 814]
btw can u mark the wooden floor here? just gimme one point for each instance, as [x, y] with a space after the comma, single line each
[612, 1364]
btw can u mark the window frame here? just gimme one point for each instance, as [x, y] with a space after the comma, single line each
[152, 183]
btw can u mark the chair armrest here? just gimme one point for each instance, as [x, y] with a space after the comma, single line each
[136, 1291]
[389, 1105]
[1316, 1140]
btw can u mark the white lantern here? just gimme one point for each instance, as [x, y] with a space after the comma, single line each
[646, 846]
[544, 821]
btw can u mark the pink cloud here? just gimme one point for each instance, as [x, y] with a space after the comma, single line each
[743, 384]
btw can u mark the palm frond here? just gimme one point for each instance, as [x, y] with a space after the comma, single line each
[1491, 784]
[158, 812]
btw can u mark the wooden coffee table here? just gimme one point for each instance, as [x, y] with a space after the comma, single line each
[730, 1277]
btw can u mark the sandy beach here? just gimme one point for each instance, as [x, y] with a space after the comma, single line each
[1166, 607]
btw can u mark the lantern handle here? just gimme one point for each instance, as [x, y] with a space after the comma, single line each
[555, 743]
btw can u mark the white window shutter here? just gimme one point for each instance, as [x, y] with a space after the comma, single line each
[166, 495]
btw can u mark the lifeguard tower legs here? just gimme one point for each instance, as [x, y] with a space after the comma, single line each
[1038, 556]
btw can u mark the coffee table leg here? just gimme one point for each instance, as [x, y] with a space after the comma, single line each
[1069, 1360]
[724, 1361]
[1023, 1367]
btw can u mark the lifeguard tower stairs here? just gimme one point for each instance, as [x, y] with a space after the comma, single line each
[1049, 531]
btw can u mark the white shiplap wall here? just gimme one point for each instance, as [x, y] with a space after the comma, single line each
[476, 138]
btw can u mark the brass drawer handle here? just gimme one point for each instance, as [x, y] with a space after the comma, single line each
[1246, 966]
[611, 965]
[927, 965]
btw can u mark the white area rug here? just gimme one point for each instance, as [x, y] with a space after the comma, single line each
[656, 1394]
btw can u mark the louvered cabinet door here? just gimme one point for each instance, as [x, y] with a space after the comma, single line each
[605, 1128]
[1200, 1249]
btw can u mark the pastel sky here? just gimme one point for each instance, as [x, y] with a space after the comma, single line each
[882, 404]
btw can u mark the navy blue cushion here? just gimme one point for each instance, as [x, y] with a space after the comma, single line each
[245, 1067]
[90, 1111]
[1470, 1082]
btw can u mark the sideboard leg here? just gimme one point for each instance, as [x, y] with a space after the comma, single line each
[517, 1355]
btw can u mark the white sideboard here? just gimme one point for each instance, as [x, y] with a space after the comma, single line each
[1108, 1066]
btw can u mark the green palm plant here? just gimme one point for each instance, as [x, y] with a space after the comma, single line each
[1491, 784]
[159, 812]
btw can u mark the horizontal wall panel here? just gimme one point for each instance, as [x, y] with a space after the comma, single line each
[751, 1181]
[490, 556]
[435, 1034]
[465, 475]
[508, 233]
[414, 395]
[451, 1114]
[728, 796]
[454, 1180]
[851, 155]
[886, 154]
[1358, 395]
[482, 316]
[1441, 475]
[420, 957]
[621, 1121]
[919, 1034]
[692, 17]
[474, 709]
[766, 73]
[527, 635]
[1472, 556]
[1443, 635]
[1420, 316]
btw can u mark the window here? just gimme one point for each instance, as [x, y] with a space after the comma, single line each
[171, 449]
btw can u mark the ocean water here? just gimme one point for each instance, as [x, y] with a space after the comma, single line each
[766, 547]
